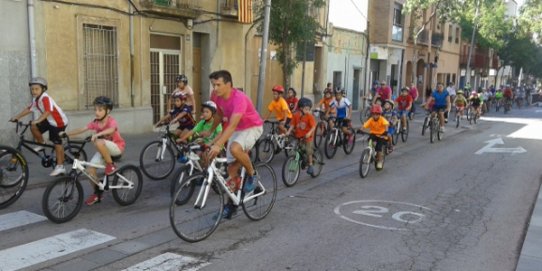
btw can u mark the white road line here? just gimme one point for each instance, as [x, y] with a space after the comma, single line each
[17, 219]
[49, 248]
[169, 261]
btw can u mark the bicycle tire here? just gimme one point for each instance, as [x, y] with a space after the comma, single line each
[395, 136]
[265, 150]
[425, 125]
[317, 162]
[193, 224]
[127, 196]
[349, 148]
[13, 175]
[432, 130]
[319, 133]
[291, 169]
[54, 203]
[156, 169]
[365, 163]
[330, 149]
[457, 121]
[404, 133]
[177, 180]
[259, 207]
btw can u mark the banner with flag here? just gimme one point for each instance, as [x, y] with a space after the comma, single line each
[245, 11]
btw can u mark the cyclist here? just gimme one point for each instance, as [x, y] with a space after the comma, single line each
[390, 114]
[304, 124]
[441, 100]
[325, 105]
[383, 92]
[242, 127]
[280, 108]
[508, 95]
[498, 98]
[51, 118]
[292, 99]
[181, 113]
[451, 91]
[460, 102]
[377, 127]
[112, 144]
[184, 88]
[343, 109]
[476, 101]
[413, 92]
[404, 105]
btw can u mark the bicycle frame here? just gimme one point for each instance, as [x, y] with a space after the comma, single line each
[80, 166]
[166, 140]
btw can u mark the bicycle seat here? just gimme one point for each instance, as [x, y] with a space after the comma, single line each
[116, 158]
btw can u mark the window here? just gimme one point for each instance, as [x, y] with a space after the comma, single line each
[100, 69]
[450, 32]
[397, 29]
[309, 51]
[457, 35]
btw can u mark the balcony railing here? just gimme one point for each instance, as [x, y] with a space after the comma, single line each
[177, 8]
[423, 37]
[478, 60]
[436, 39]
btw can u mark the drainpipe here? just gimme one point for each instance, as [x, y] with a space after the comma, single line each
[263, 54]
[32, 39]
[131, 55]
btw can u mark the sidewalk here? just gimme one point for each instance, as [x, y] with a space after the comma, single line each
[530, 258]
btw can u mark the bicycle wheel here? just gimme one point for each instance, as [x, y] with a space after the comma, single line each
[432, 130]
[13, 175]
[349, 144]
[256, 206]
[469, 111]
[395, 135]
[317, 162]
[179, 180]
[290, 171]
[330, 147]
[457, 120]
[152, 164]
[194, 223]
[425, 125]
[319, 133]
[265, 150]
[404, 132]
[62, 199]
[72, 152]
[365, 163]
[127, 195]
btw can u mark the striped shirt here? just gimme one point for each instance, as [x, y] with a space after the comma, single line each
[57, 118]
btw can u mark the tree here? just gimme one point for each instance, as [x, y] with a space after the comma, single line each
[292, 25]
[531, 17]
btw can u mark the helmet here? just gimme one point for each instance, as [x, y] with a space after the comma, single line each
[39, 81]
[304, 102]
[211, 105]
[181, 78]
[404, 89]
[376, 109]
[103, 101]
[474, 93]
[460, 91]
[278, 88]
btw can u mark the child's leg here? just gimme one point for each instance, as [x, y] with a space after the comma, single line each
[37, 133]
[59, 151]
[309, 151]
[92, 172]
[102, 149]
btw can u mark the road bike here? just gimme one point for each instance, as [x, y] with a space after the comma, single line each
[474, 115]
[191, 167]
[273, 143]
[434, 128]
[458, 115]
[368, 157]
[292, 167]
[336, 138]
[13, 175]
[63, 198]
[322, 127]
[507, 105]
[157, 159]
[199, 217]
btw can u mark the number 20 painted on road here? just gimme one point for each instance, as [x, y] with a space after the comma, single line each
[375, 211]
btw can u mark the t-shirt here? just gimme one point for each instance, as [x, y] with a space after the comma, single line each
[238, 103]
[341, 107]
[508, 93]
[440, 97]
[302, 124]
[413, 92]
[476, 101]
[376, 127]
[206, 126]
[384, 92]
[403, 102]
[110, 122]
[187, 119]
[451, 91]
[292, 103]
[278, 107]
[45, 103]
[326, 103]
[460, 100]
[186, 91]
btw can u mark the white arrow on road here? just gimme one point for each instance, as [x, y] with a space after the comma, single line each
[498, 141]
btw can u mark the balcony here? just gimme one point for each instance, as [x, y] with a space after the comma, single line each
[229, 8]
[187, 9]
[436, 40]
[479, 60]
[423, 37]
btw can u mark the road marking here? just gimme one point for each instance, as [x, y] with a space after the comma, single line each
[17, 219]
[169, 261]
[498, 141]
[49, 248]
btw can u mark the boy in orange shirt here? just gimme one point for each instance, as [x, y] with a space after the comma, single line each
[304, 124]
[325, 105]
[279, 106]
[377, 127]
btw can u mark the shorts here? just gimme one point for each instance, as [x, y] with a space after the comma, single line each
[45, 126]
[402, 113]
[306, 146]
[246, 138]
[186, 126]
[380, 142]
[342, 122]
[113, 149]
[438, 108]
[459, 107]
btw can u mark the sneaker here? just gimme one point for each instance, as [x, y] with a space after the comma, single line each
[229, 211]
[390, 149]
[93, 199]
[233, 184]
[250, 184]
[110, 169]
[445, 120]
[379, 165]
[310, 170]
[442, 129]
[38, 148]
[59, 169]
[182, 159]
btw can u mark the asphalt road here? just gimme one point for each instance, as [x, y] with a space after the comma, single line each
[462, 203]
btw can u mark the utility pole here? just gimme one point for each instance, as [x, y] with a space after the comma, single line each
[263, 54]
[471, 48]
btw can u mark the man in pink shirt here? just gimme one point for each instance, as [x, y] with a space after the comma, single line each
[242, 128]
[383, 92]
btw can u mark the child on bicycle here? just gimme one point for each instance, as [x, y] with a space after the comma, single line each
[404, 104]
[292, 100]
[107, 141]
[343, 109]
[325, 105]
[377, 128]
[460, 103]
[476, 102]
[51, 119]
[390, 114]
[280, 108]
[181, 113]
[304, 124]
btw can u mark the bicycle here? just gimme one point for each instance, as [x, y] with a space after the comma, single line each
[63, 198]
[398, 130]
[336, 137]
[426, 120]
[364, 115]
[157, 158]
[273, 143]
[292, 167]
[191, 167]
[322, 127]
[13, 175]
[201, 215]
[474, 115]
[368, 156]
[458, 115]
[434, 128]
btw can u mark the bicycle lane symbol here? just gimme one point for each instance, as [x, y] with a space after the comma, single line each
[382, 214]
